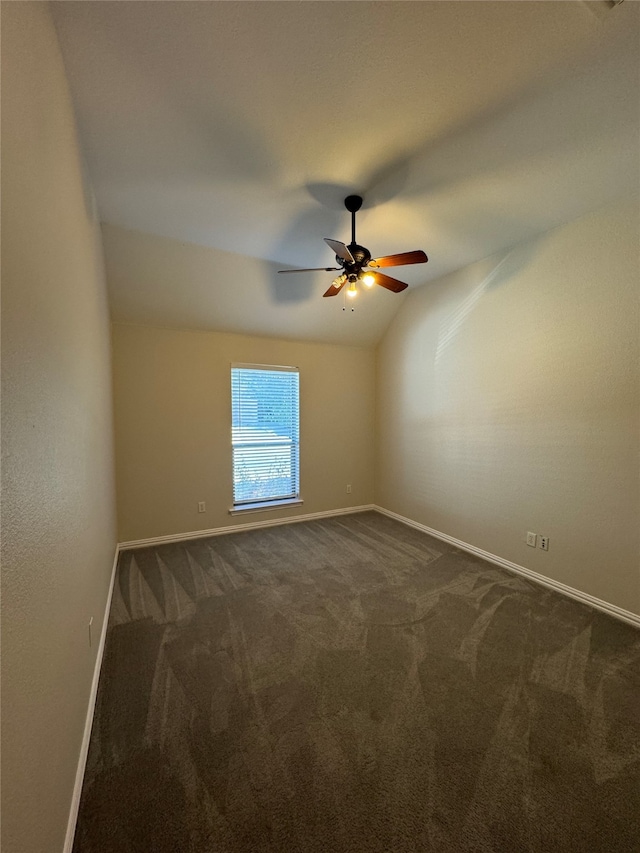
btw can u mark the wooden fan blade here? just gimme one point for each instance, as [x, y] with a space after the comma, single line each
[390, 283]
[335, 289]
[340, 249]
[417, 257]
[314, 269]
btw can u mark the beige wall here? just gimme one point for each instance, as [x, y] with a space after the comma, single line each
[58, 507]
[173, 426]
[508, 400]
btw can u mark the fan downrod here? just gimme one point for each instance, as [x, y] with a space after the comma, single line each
[353, 203]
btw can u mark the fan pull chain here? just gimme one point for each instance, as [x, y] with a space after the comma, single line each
[344, 300]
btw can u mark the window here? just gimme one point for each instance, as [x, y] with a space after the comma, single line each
[265, 426]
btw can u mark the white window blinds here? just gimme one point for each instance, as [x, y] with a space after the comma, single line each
[265, 428]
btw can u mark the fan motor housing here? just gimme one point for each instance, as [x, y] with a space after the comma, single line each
[361, 257]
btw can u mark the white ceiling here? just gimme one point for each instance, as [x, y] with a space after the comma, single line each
[240, 127]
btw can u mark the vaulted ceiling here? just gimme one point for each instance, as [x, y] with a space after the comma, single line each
[222, 137]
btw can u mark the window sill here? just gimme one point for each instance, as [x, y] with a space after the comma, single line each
[264, 507]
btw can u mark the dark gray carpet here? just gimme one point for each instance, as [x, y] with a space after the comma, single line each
[355, 685]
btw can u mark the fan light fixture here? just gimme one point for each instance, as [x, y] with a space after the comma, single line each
[368, 279]
[352, 290]
[338, 282]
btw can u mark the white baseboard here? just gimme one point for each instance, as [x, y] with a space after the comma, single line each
[576, 594]
[86, 737]
[236, 528]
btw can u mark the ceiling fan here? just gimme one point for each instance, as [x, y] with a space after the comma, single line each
[357, 264]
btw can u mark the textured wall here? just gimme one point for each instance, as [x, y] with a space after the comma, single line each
[173, 426]
[508, 401]
[58, 508]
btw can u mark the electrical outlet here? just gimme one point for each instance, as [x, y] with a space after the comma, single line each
[202, 506]
[543, 542]
[349, 489]
[531, 539]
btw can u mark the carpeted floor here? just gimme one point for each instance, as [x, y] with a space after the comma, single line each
[355, 685]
